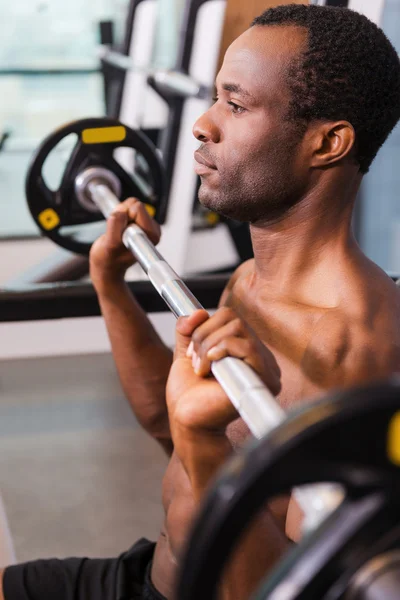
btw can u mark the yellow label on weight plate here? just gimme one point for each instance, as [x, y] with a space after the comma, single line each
[212, 218]
[150, 209]
[104, 135]
[393, 439]
[49, 219]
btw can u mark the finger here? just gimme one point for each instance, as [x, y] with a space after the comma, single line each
[220, 318]
[126, 205]
[253, 354]
[242, 348]
[117, 222]
[139, 215]
[201, 360]
[120, 216]
[187, 325]
[184, 329]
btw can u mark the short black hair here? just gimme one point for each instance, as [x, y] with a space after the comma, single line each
[348, 71]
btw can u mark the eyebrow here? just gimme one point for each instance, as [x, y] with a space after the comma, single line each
[236, 88]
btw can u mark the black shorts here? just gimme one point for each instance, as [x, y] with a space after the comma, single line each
[124, 578]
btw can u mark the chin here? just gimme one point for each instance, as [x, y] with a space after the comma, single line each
[207, 198]
[221, 204]
[211, 202]
[224, 209]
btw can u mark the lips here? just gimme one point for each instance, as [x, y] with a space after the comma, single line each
[199, 158]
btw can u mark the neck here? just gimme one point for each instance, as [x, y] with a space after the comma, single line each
[314, 239]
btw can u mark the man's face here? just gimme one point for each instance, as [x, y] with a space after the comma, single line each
[252, 152]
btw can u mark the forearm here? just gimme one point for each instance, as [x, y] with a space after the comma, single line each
[263, 543]
[143, 361]
[202, 456]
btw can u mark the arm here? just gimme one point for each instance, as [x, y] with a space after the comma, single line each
[264, 542]
[342, 354]
[199, 415]
[142, 360]
[1, 584]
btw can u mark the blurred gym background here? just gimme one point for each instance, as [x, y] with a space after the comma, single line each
[77, 475]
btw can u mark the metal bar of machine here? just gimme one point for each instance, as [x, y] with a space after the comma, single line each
[168, 81]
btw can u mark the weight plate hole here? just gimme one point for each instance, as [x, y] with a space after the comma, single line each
[56, 162]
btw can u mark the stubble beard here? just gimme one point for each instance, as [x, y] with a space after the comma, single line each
[261, 200]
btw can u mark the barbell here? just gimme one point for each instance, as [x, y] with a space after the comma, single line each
[91, 188]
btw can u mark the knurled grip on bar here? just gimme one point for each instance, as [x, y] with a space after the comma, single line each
[247, 392]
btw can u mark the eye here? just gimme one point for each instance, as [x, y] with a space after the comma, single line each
[236, 109]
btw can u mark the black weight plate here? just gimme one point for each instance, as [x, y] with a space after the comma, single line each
[58, 213]
[352, 438]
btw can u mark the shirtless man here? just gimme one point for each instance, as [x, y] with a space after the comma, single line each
[305, 99]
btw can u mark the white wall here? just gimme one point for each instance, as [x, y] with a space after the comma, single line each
[17, 256]
[67, 337]
[372, 9]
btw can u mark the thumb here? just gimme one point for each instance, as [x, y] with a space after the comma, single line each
[185, 326]
[117, 222]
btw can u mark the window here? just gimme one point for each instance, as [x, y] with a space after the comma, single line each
[49, 75]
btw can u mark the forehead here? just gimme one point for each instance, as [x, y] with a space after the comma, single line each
[258, 59]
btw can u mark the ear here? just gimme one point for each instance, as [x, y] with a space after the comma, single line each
[332, 142]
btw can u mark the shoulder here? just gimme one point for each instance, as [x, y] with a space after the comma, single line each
[242, 270]
[326, 349]
[349, 346]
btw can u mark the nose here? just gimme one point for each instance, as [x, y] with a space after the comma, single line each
[206, 130]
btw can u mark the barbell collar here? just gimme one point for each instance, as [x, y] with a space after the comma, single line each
[97, 176]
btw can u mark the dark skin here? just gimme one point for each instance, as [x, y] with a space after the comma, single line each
[325, 314]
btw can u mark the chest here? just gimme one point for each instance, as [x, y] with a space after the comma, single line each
[284, 328]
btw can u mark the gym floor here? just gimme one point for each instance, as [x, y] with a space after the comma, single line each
[78, 475]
